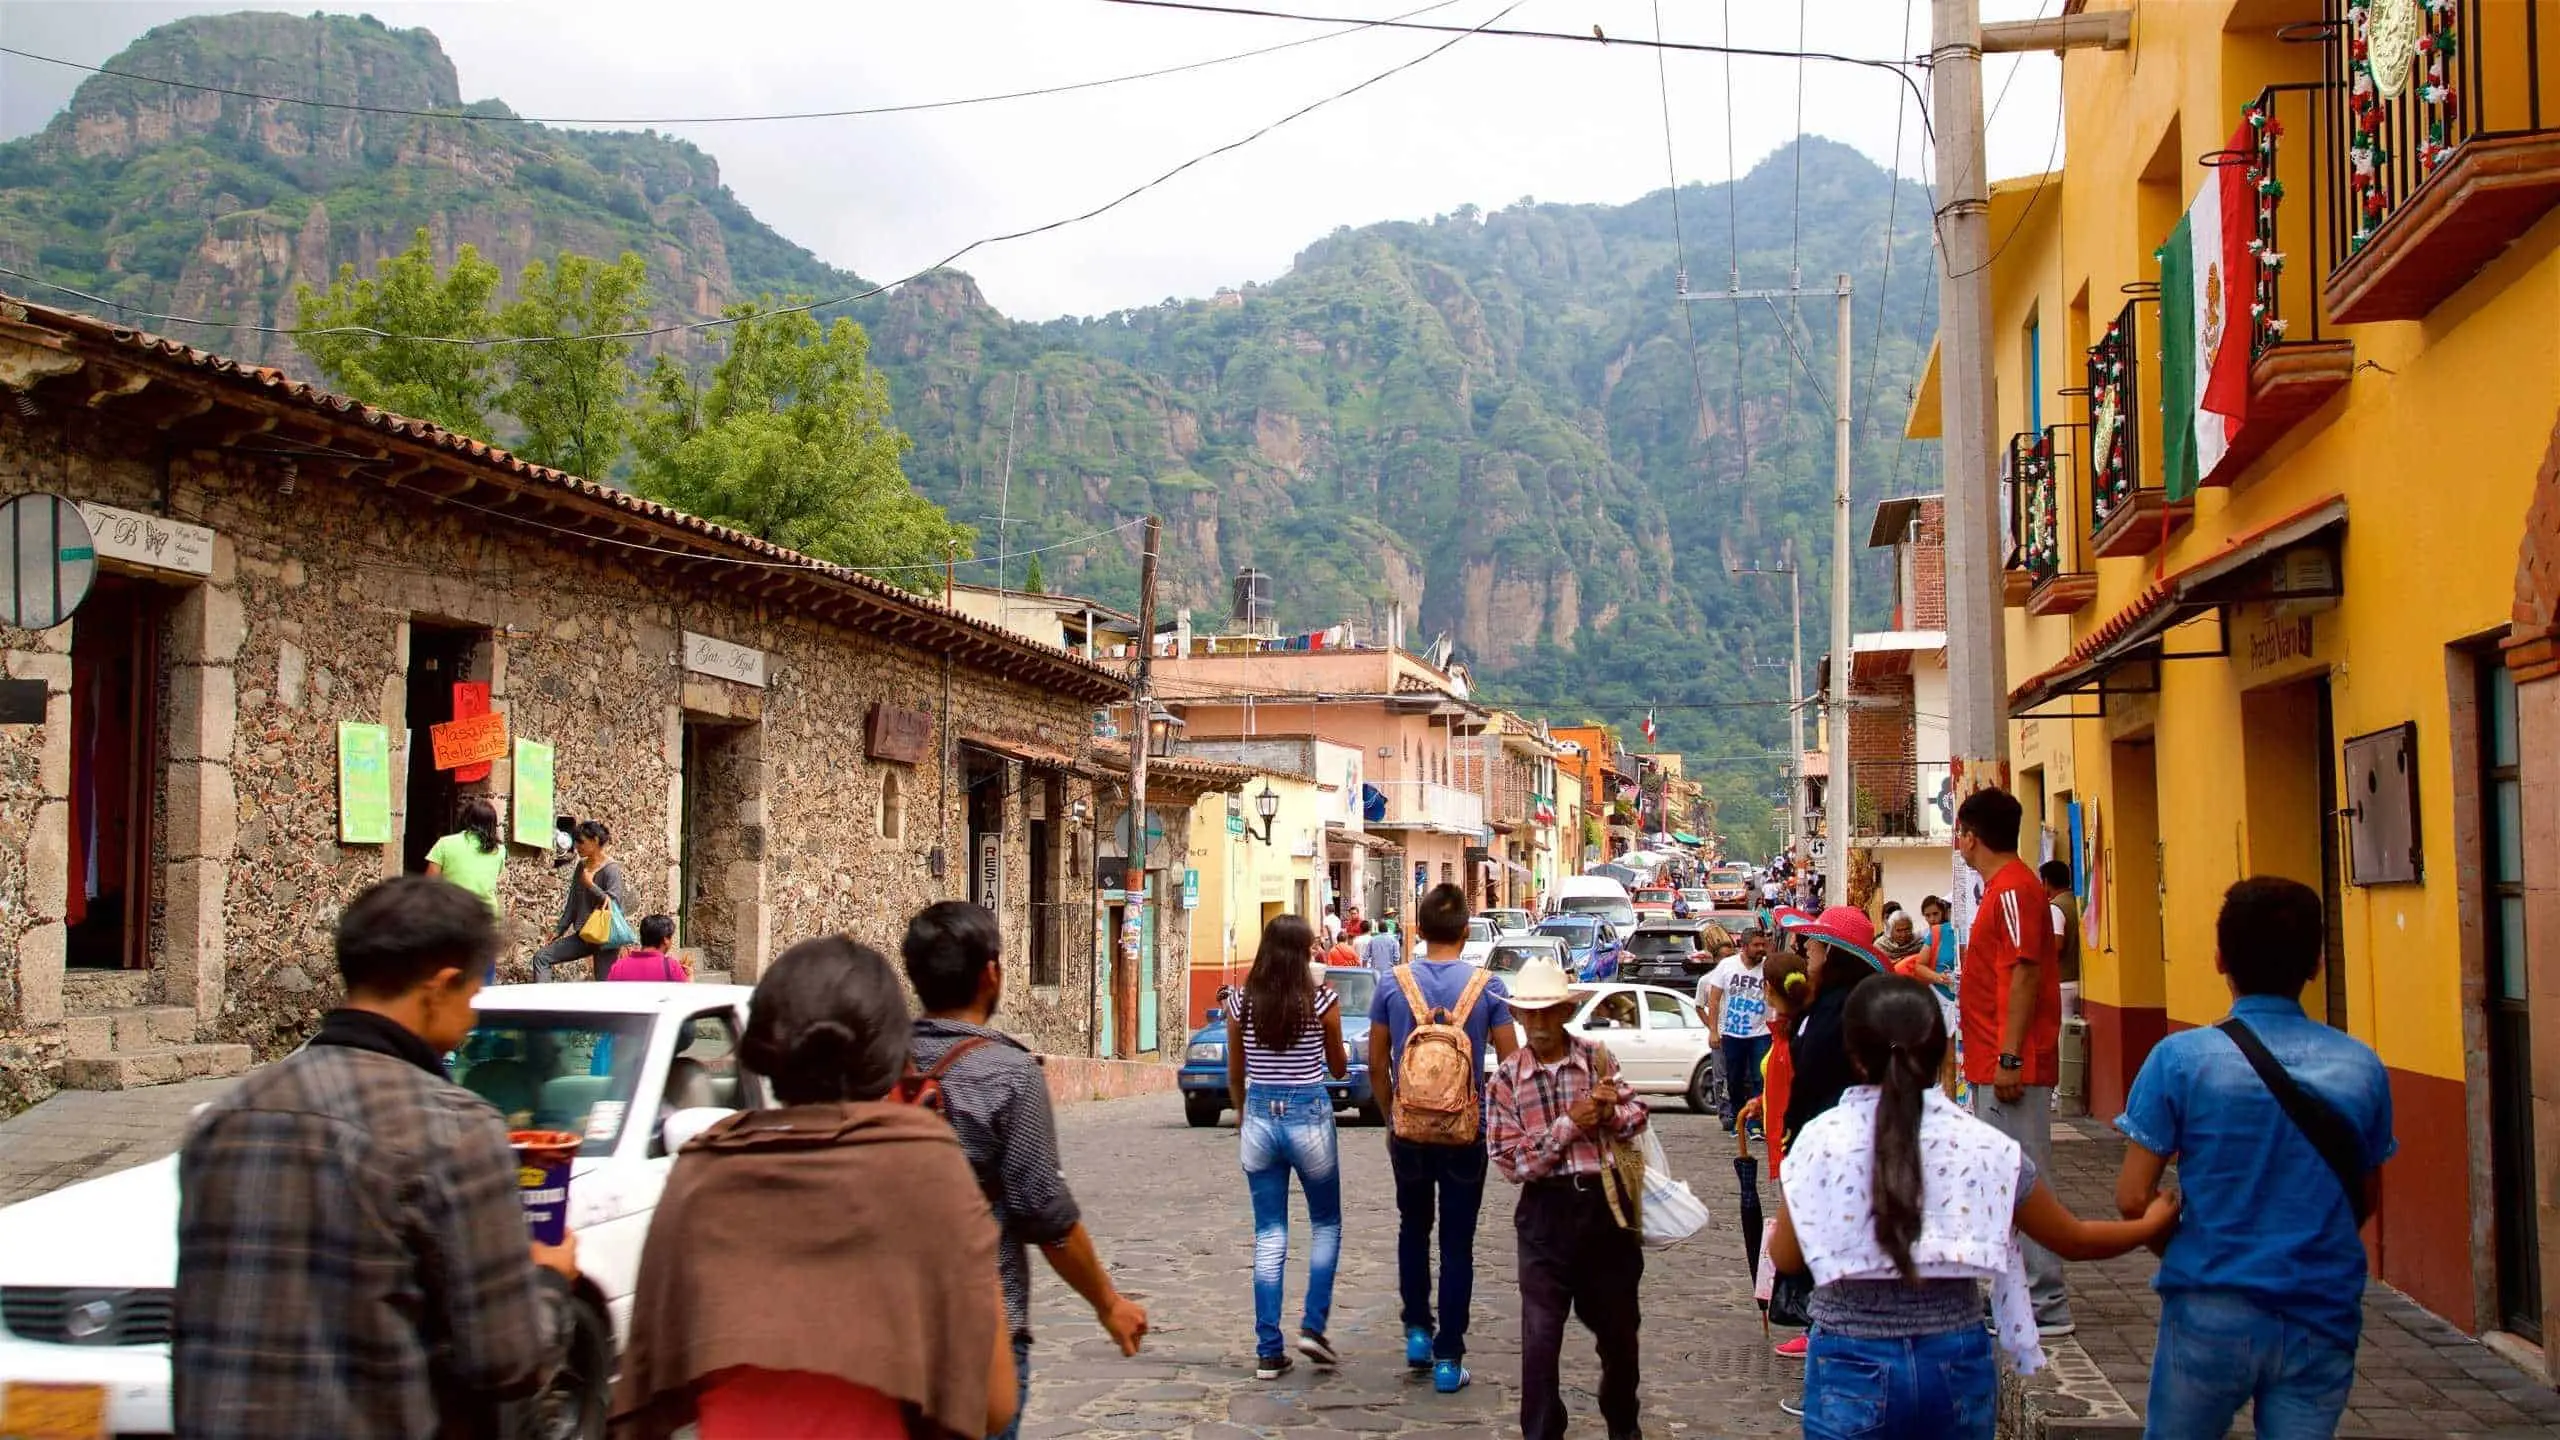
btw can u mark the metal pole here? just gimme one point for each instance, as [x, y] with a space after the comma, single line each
[1799, 795]
[1977, 686]
[1844, 791]
[1142, 705]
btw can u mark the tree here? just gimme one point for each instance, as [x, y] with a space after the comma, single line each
[573, 396]
[792, 441]
[353, 332]
[1033, 582]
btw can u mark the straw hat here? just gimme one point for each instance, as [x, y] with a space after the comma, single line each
[1540, 985]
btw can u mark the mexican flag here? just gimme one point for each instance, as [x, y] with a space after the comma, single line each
[2207, 279]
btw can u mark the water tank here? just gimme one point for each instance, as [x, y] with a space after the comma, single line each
[1252, 600]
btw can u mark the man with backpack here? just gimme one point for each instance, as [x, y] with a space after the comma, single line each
[991, 1090]
[2279, 1125]
[1428, 1028]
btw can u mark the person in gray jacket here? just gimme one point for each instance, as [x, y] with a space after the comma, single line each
[595, 879]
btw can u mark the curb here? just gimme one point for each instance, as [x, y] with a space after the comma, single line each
[2072, 1399]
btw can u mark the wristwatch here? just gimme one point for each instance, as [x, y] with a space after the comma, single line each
[2011, 1062]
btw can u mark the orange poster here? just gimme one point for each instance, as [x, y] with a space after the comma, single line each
[469, 740]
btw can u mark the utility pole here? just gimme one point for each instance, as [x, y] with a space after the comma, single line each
[1841, 809]
[1142, 706]
[1977, 666]
[1799, 800]
[1004, 495]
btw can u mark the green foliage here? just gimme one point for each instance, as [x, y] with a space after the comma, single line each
[1034, 582]
[344, 330]
[792, 441]
[574, 399]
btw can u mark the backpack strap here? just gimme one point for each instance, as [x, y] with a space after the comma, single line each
[952, 1056]
[1412, 995]
[1467, 997]
[2319, 1122]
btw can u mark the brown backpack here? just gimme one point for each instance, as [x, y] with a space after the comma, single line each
[1435, 1095]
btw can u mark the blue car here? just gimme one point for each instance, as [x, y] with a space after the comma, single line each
[1204, 1062]
[1591, 942]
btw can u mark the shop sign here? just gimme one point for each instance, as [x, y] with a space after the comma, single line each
[991, 870]
[2280, 640]
[469, 740]
[153, 542]
[897, 735]
[720, 659]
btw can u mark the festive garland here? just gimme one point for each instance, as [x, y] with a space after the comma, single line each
[2438, 44]
[2266, 326]
[2043, 538]
[2111, 422]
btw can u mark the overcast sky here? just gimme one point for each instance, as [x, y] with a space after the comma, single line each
[1488, 122]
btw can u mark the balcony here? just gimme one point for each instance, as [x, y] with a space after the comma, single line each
[2438, 145]
[1423, 805]
[2126, 516]
[1906, 800]
[2045, 574]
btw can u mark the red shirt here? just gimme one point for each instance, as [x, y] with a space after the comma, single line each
[2014, 922]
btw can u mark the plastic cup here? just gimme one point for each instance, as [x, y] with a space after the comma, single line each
[542, 1180]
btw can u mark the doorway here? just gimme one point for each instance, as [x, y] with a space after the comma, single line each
[2288, 757]
[115, 767]
[714, 839]
[440, 657]
[2508, 1000]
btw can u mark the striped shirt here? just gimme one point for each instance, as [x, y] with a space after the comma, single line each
[1300, 1064]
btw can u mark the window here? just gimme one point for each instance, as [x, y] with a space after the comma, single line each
[705, 1068]
[893, 806]
[1616, 1010]
[1666, 1012]
[573, 1072]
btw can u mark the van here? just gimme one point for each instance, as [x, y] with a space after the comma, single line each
[1593, 895]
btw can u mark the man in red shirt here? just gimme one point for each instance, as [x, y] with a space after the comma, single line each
[2009, 993]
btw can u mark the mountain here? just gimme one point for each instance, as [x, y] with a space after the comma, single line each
[1501, 420]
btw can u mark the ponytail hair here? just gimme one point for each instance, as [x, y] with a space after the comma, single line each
[480, 822]
[1897, 1037]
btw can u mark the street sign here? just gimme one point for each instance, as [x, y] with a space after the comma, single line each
[1190, 889]
[48, 559]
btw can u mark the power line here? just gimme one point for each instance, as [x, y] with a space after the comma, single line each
[1679, 240]
[1884, 287]
[850, 112]
[808, 306]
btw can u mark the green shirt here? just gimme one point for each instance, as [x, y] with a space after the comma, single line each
[465, 864]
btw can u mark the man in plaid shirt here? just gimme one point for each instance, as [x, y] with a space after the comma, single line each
[352, 1254]
[1549, 1110]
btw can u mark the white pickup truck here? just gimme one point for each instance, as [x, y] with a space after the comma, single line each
[87, 1272]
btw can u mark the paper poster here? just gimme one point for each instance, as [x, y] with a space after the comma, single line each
[471, 697]
[364, 784]
[470, 740]
[533, 793]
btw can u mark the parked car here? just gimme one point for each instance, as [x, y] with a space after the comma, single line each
[1730, 887]
[1666, 952]
[1655, 900]
[1697, 898]
[1658, 1036]
[1590, 941]
[1510, 922]
[1594, 895]
[88, 1272]
[1481, 933]
[1513, 951]
[1203, 1078]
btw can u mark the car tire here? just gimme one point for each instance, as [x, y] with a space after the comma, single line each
[1202, 1110]
[1702, 1087]
[578, 1399]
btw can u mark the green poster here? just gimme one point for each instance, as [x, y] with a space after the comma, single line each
[364, 784]
[533, 793]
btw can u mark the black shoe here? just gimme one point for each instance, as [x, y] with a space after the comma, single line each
[1272, 1367]
[1317, 1349]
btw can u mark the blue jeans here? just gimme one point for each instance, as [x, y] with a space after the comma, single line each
[2219, 1351]
[1286, 1128]
[1021, 1389]
[1446, 1181]
[1738, 1060]
[1927, 1387]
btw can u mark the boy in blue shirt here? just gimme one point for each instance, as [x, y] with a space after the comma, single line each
[2262, 1284]
[1446, 1179]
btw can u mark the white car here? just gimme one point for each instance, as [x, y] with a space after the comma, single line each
[1481, 933]
[87, 1273]
[1659, 1037]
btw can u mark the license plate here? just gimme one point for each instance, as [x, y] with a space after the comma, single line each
[31, 1411]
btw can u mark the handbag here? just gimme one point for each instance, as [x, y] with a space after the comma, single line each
[599, 925]
[1790, 1299]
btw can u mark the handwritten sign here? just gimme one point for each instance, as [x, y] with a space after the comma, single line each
[471, 740]
[706, 656]
[471, 697]
[364, 784]
[533, 793]
[898, 735]
[152, 541]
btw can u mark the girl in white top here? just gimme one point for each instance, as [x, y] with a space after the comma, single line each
[1900, 1204]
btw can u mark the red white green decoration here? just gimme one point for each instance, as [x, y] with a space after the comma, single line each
[2207, 278]
[2386, 40]
[2111, 421]
[2042, 540]
[2263, 129]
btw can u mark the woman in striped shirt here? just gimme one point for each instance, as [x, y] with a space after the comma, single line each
[1284, 1039]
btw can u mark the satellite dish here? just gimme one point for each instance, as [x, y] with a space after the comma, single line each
[48, 560]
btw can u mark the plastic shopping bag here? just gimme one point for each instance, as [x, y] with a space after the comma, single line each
[1672, 1211]
[618, 931]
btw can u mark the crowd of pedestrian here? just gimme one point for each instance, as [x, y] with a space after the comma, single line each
[354, 1258]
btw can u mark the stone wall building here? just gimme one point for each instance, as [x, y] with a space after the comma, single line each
[782, 748]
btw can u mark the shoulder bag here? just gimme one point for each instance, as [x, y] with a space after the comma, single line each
[2319, 1122]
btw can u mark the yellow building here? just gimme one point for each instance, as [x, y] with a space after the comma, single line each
[2292, 663]
[1249, 873]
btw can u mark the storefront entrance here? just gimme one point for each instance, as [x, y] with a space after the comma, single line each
[115, 766]
[2507, 999]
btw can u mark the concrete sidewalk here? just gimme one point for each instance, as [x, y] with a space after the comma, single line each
[2417, 1377]
[81, 1134]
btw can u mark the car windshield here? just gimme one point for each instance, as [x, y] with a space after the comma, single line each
[1356, 987]
[1661, 942]
[1575, 930]
[564, 1071]
[1655, 897]
[1479, 928]
[1510, 955]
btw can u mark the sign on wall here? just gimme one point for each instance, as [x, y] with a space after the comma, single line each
[364, 784]
[534, 797]
[704, 655]
[154, 542]
[470, 740]
[898, 735]
[991, 870]
[1190, 889]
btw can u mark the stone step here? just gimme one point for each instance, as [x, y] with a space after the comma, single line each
[142, 1027]
[158, 1065]
[95, 992]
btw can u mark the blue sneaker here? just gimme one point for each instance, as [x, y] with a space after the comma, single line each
[1417, 1348]
[1449, 1377]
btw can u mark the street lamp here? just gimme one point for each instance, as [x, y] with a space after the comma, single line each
[1163, 728]
[1267, 805]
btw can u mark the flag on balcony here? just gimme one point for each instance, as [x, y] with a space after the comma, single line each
[2207, 282]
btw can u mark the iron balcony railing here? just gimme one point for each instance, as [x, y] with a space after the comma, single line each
[2416, 80]
[2115, 419]
[1906, 799]
[2035, 521]
[2300, 211]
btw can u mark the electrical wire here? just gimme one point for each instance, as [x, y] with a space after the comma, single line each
[852, 112]
[1884, 287]
[1679, 239]
[806, 306]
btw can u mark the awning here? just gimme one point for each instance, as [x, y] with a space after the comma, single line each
[2227, 577]
[1685, 838]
